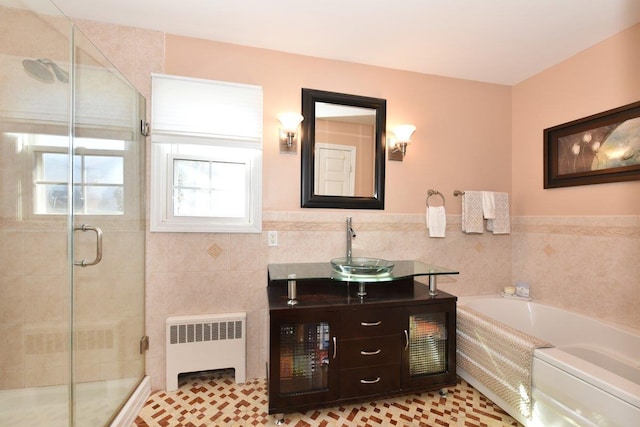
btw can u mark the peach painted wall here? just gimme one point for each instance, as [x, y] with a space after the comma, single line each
[463, 136]
[603, 77]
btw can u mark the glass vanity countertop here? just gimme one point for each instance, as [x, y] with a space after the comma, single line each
[324, 270]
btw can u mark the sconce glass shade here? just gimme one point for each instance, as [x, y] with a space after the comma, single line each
[290, 121]
[403, 132]
[398, 146]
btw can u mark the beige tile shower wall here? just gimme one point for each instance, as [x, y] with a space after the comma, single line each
[35, 295]
[135, 52]
[587, 264]
[218, 273]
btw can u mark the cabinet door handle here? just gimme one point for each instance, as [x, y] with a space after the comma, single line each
[370, 353]
[378, 323]
[363, 381]
[335, 347]
[406, 339]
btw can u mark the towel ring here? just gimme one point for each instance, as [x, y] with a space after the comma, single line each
[432, 193]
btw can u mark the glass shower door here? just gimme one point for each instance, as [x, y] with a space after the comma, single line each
[35, 275]
[108, 243]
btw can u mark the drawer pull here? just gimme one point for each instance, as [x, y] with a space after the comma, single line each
[378, 323]
[406, 337]
[370, 353]
[363, 381]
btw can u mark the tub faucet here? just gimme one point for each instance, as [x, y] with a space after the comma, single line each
[350, 235]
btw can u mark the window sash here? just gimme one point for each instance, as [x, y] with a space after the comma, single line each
[162, 205]
[210, 189]
[85, 189]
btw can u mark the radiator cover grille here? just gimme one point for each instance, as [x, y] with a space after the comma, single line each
[205, 342]
[208, 331]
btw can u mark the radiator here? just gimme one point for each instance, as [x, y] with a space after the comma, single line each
[206, 342]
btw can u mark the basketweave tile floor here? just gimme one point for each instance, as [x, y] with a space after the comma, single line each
[208, 399]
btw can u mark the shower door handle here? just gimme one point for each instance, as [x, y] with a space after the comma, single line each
[83, 262]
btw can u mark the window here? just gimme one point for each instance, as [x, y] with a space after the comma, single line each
[206, 164]
[209, 188]
[98, 175]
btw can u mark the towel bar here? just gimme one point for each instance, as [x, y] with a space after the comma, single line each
[457, 193]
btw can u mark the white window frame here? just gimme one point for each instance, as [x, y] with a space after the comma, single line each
[162, 218]
[172, 139]
[36, 145]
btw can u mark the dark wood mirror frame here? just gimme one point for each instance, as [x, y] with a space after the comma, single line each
[308, 197]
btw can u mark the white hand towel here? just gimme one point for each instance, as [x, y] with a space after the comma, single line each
[488, 204]
[472, 217]
[501, 224]
[436, 221]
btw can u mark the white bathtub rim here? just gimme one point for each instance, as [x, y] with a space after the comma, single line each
[464, 300]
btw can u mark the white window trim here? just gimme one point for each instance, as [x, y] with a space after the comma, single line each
[162, 219]
[35, 150]
[181, 115]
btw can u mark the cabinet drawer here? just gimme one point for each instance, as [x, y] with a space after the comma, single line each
[363, 352]
[368, 381]
[369, 323]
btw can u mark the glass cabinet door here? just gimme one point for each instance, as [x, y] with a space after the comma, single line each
[304, 357]
[427, 344]
[303, 362]
[429, 348]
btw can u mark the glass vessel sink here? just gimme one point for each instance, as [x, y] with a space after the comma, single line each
[360, 266]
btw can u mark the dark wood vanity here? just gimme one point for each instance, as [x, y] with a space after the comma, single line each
[334, 347]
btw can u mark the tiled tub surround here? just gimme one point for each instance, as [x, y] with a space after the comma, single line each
[586, 264]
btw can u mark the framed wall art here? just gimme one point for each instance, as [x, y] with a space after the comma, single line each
[597, 149]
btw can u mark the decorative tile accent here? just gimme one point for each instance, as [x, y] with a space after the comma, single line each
[215, 251]
[209, 399]
[549, 250]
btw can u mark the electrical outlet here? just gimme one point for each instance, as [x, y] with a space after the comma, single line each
[272, 238]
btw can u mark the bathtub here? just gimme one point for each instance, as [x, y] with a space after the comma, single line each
[591, 375]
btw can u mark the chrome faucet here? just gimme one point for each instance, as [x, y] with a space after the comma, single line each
[350, 235]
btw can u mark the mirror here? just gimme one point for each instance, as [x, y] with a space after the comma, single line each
[342, 150]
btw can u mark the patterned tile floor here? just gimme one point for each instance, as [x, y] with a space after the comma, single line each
[213, 399]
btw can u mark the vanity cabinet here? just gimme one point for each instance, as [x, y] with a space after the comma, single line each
[333, 347]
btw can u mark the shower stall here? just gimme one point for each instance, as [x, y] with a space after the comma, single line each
[72, 225]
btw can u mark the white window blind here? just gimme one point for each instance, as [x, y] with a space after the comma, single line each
[206, 107]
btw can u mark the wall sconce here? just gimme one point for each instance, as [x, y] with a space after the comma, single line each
[398, 146]
[289, 123]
